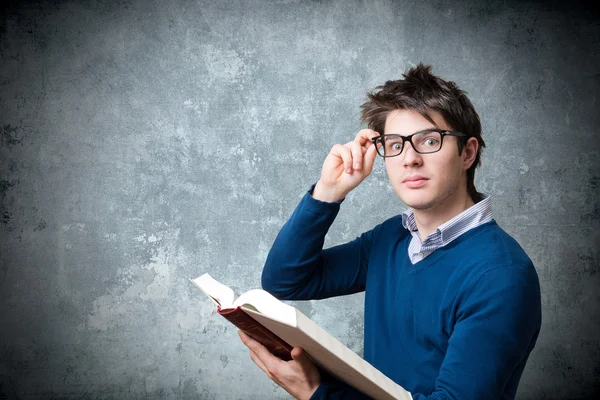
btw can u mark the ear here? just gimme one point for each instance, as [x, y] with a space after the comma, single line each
[469, 152]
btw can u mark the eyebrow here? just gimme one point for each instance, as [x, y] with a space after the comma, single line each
[414, 133]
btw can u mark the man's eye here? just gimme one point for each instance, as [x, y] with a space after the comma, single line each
[396, 146]
[430, 141]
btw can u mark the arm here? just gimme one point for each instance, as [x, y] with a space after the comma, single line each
[297, 267]
[497, 324]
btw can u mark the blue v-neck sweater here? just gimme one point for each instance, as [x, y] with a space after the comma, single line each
[459, 324]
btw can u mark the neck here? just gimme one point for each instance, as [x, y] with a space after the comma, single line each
[429, 219]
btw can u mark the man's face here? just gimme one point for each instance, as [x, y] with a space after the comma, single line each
[425, 181]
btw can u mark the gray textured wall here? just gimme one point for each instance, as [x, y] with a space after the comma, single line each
[145, 142]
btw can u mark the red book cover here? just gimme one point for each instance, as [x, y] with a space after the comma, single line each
[257, 332]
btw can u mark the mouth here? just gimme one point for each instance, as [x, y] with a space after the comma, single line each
[415, 182]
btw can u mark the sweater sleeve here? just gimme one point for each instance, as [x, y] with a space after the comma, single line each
[497, 324]
[333, 389]
[297, 267]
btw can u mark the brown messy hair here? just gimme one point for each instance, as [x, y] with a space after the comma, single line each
[422, 91]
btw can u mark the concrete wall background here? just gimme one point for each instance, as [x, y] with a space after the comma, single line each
[145, 142]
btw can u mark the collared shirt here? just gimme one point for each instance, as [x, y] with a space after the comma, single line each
[476, 215]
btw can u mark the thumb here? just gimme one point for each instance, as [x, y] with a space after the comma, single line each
[300, 357]
[369, 159]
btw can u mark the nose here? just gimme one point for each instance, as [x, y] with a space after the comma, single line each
[411, 157]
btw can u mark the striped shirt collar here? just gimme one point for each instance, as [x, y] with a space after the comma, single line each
[472, 217]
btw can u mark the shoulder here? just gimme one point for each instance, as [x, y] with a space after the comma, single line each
[490, 247]
[493, 276]
[492, 256]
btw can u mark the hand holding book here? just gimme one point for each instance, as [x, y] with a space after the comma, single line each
[299, 377]
[285, 332]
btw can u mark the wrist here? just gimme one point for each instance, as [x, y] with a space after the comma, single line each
[309, 393]
[326, 194]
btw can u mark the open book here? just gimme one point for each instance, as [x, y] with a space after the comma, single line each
[281, 327]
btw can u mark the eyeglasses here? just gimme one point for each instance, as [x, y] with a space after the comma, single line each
[424, 142]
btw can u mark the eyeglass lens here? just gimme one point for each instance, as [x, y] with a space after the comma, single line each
[424, 142]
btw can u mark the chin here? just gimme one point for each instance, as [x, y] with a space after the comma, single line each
[417, 201]
[420, 204]
[422, 200]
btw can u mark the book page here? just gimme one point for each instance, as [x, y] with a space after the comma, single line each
[220, 294]
[267, 304]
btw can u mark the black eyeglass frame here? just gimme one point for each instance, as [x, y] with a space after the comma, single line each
[408, 138]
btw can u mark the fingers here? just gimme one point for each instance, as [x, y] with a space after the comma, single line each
[260, 355]
[254, 346]
[364, 137]
[357, 155]
[360, 145]
[302, 359]
[259, 363]
[247, 340]
[299, 377]
[352, 153]
[343, 152]
[369, 159]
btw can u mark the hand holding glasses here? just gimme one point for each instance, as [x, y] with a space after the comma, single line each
[347, 165]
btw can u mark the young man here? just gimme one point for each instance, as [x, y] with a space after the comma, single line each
[452, 302]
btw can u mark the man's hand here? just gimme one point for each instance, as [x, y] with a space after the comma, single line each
[346, 166]
[299, 376]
